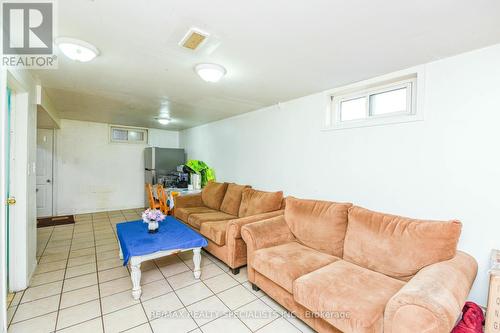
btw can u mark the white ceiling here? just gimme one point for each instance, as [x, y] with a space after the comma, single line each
[273, 50]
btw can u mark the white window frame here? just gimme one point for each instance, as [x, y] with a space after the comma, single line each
[128, 128]
[412, 79]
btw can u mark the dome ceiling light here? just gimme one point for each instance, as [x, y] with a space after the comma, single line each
[210, 72]
[77, 50]
[163, 121]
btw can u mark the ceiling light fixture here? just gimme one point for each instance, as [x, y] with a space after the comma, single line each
[210, 72]
[163, 121]
[76, 49]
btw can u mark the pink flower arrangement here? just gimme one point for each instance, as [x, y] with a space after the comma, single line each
[152, 215]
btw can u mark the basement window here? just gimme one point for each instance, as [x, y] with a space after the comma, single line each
[123, 134]
[376, 103]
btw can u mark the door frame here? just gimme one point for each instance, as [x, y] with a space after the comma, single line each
[53, 132]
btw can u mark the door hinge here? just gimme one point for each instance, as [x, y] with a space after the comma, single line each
[11, 201]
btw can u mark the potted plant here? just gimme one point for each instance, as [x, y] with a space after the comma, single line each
[152, 217]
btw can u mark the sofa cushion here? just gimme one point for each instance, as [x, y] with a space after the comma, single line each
[255, 202]
[349, 297]
[284, 263]
[212, 194]
[320, 225]
[232, 198]
[215, 231]
[398, 246]
[184, 212]
[195, 220]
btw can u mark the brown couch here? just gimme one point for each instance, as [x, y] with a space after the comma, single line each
[342, 268]
[219, 212]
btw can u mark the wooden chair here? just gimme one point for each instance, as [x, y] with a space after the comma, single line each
[153, 203]
[174, 195]
[162, 198]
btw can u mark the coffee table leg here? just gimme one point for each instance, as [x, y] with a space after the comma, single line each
[197, 262]
[135, 266]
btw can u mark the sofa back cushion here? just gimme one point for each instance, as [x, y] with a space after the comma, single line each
[255, 202]
[212, 194]
[232, 198]
[398, 246]
[320, 225]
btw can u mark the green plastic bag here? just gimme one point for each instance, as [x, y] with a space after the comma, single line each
[207, 174]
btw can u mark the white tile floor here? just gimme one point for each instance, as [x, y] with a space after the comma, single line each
[80, 285]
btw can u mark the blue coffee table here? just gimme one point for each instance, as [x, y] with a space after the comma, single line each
[137, 245]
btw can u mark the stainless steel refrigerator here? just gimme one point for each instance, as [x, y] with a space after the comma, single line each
[161, 161]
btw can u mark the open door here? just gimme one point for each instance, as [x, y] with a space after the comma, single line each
[6, 200]
[10, 178]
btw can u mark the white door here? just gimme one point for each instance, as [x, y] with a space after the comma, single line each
[44, 162]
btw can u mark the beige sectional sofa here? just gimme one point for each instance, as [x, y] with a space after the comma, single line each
[343, 268]
[219, 212]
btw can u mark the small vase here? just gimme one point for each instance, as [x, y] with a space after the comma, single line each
[153, 227]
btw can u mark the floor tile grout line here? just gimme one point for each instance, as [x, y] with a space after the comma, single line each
[269, 323]
[163, 278]
[230, 311]
[12, 299]
[16, 308]
[140, 300]
[23, 292]
[218, 263]
[64, 278]
[136, 326]
[97, 276]
[74, 325]
[216, 295]
[34, 317]
[58, 310]
[294, 324]
[62, 268]
[99, 298]
[48, 240]
[96, 284]
[279, 315]
[39, 299]
[176, 295]
[43, 284]
[71, 267]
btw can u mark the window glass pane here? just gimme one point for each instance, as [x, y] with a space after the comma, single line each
[388, 102]
[353, 109]
[135, 136]
[120, 135]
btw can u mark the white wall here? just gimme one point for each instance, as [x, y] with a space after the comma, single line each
[162, 138]
[447, 166]
[92, 174]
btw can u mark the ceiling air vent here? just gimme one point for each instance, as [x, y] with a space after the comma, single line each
[193, 39]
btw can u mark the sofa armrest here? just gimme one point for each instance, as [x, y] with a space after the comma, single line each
[266, 233]
[190, 200]
[433, 299]
[262, 234]
[233, 229]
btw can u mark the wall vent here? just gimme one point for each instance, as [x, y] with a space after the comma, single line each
[193, 39]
